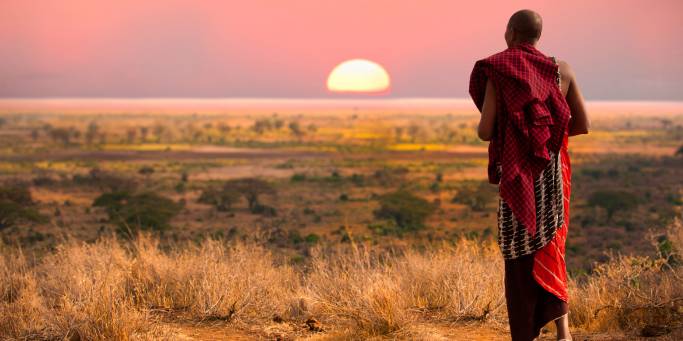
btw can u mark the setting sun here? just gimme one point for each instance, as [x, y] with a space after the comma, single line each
[358, 75]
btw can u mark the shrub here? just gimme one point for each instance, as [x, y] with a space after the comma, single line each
[476, 195]
[222, 198]
[145, 211]
[612, 201]
[146, 170]
[405, 209]
[17, 205]
[357, 179]
[264, 210]
[312, 238]
[298, 177]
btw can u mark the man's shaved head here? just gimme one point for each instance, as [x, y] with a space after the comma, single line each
[526, 25]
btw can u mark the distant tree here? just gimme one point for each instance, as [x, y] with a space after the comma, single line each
[251, 189]
[144, 131]
[34, 135]
[197, 136]
[666, 123]
[398, 133]
[414, 131]
[91, 133]
[75, 133]
[261, 126]
[444, 132]
[679, 151]
[295, 129]
[613, 201]
[131, 134]
[60, 135]
[223, 128]
[159, 131]
[3, 121]
[312, 128]
[144, 211]
[407, 210]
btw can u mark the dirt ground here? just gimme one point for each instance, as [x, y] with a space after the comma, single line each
[420, 331]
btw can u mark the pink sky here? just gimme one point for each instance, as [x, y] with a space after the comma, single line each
[239, 48]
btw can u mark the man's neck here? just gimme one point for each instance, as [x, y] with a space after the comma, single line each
[515, 44]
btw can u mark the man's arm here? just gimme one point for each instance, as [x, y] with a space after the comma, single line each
[488, 113]
[579, 122]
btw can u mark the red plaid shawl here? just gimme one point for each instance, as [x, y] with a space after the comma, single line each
[531, 119]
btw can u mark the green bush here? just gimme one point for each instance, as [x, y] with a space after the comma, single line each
[264, 210]
[357, 179]
[312, 238]
[17, 206]
[144, 211]
[475, 194]
[613, 200]
[407, 210]
[297, 177]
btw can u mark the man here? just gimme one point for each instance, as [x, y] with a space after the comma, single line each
[530, 103]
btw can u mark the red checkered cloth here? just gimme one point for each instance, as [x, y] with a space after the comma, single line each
[531, 119]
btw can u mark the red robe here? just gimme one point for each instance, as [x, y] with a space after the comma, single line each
[531, 119]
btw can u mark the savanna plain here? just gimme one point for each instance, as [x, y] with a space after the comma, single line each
[316, 220]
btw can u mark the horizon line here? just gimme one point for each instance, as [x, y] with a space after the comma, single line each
[407, 98]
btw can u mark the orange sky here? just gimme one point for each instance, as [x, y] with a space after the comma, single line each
[171, 48]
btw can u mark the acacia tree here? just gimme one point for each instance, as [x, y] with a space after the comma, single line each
[251, 189]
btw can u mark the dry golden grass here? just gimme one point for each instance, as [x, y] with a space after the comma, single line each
[129, 290]
[632, 291]
[385, 293]
[79, 290]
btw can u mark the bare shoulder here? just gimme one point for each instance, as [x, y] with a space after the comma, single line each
[565, 69]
